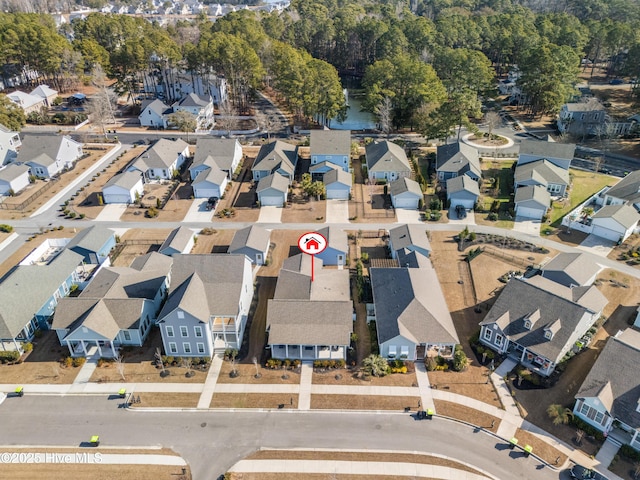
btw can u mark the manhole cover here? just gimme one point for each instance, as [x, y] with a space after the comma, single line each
[378, 427]
[203, 424]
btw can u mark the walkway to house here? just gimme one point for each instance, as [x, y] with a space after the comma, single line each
[111, 213]
[89, 366]
[408, 216]
[210, 382]
[608, 450]
[198, 212]
[270, 215]
[426, 394]
[337, 211]
[304, 397]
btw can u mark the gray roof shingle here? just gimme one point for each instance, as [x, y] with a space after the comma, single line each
[126, 180]
[463, 183]
[330, 142]
[578, 266]
[625, 215]
[215, 152]
[547, 149]
[408, 235]
[254, 237]
[386, 156]
[162, 154]
[276, 155]
[275, 181]
[537, 193]
[403, 185]
[92, 238]
[542, 171]
[178, 239]
[628, 188]
[458, 158]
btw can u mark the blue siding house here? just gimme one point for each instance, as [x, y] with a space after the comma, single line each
[329, 147]
[94, 244]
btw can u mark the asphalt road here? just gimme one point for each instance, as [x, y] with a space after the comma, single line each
[211, 442]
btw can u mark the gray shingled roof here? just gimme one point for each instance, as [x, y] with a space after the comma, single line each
[404, 236]
[628, 188]
[386, 156]
[294, 281]
[275, 181]
[220, 151]
[178, 239]
[625, 215]
[92, 238]
[336, 238]
[193, 100]
[211, 175]
[13, 171]
[28, 287]
[579, 266]
[458, 158]
[520, 299]
[403, 185]
[614, 377]
[277, 155]
[161, 154]
[536, 193]
[157, 106]
[410, 302]
[152, 261]
[543, 171]
[299, 322]
[547, 149]
[588, 297]
[301, 263]
[463, 183]
[330, 142]
[337, 175]
[34, 146]
[254, 237]
[126, 180]
[206, 284]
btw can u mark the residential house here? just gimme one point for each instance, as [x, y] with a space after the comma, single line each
[405, 193]
[337, 246]
[9, 144]
[29, 103]
[180, 240]
[49, 155]
[386, 161]
[330, 147]
[582, 118]
[275, 157]
[615, 222]
[216, 154]
[272, 190]
[254, 242]
[409, 238]
[532, 201]
[560, 154]
[162, 160]
[571, 270]
[209, 183]
[208, 304]
[544, 173]
[13, 179]
[337, 184]
[626, 191]
[538, 321]
[47, 94]
[464, 191]
[117, 308]
[310, 320]
[200, 106]
[94, 244]
[30, 293]
[457, 159]
[411, 314]
[154, 114]
[609, 396]
[126, 187]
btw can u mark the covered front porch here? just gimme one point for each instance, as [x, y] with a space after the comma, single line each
[534, 362]
[81, 348]
[444, 350]
[309, 352]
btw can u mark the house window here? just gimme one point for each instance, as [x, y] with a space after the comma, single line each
[184, 332]
[499, 339]
[200, 347]
[308, 348]
[198, 331]
[392, 351]
[186, 347]
[487, 334]
[173, 348]
[527, 324]
[553, 188]
[169, 329]
[548, 334]
[127, 335]
[180, 314]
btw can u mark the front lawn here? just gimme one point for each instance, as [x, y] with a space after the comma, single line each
[583, 185]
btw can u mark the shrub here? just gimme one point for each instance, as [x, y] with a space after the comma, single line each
[67, 362]
[630, 452]
[10, 356]
[27, 347]
[78, 361]
[207, 231]
[460, 360]
[492, 217]
[6, 228]
[275, 363]
[151, 212]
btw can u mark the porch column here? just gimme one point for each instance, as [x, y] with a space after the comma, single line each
[84, 348]
[315, 352]
[524, 352]
[69, 347]
[113, 349]
[16, 345]
[286, 351]
[99, 349]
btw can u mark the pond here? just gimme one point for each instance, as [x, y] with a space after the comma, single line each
[356, 118]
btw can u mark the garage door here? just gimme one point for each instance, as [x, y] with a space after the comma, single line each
[606, 233]
[205, 192]
[338, 194]
[468, 204]
[114, 198]
[271, 200]
[528, 212]
[406, 203]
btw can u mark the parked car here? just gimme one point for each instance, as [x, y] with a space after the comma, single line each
[616, 81]
[461, 211]
[212, 202]
[584, 473]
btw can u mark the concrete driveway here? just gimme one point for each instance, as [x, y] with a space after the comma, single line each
[470, 219]
[337, 211]
[527, 225]
[408, 216]
[198, 212]
[270, 215]
[597, 245]
[111, 213]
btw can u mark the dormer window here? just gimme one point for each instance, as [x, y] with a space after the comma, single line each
[530, 319]
[548, 334]
[527, 324]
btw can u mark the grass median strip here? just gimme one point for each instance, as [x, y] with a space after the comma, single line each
[254, 400]
[169, 400]
[540, 448]
[95, 472]
[467, 414]
[363, 402]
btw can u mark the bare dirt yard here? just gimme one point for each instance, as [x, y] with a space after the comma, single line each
[139, 241]
[213, 241]
[42, 365]
[173, 211]
[40, 192]
[468, 415]
[61, 471]
[166, 400]
[246, 373]
[87, 201]
[254, 400]
[368, 203]
[241, 198]
[542, 449]
[348, 377]
[140, 367]
[304, 211]
[363, 402]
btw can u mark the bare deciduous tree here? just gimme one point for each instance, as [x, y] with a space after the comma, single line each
[158, 357]
[257, 367]
[226, 119]
[493, 120]
[101, 106]
[120, 365]
[384, 111]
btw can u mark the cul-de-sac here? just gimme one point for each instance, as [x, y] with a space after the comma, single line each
[310, 239]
